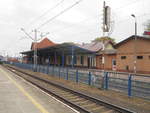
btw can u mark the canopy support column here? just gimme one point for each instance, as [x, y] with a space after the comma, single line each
[55, 59]
[72, 51]
[63, 58]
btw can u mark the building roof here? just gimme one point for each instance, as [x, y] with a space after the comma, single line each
[87, 48]
[96, 46]
[42, 44]
[131, 38]
[60, 48]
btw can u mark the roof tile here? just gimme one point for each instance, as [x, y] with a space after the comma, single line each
[42, 44]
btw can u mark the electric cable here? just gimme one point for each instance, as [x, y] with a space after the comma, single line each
[46, 12]
[68, 8]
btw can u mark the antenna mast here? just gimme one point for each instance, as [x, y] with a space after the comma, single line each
[106, 19]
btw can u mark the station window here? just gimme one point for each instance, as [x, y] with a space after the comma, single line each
[82, 60]
[139, 57]
[69, 59]
[127, 67]
[123, 57]
[113, 62]
[75, 59]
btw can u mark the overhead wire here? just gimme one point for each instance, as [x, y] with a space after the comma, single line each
[72, 25]
[68, 8]
[87, 30]
[49, 10]
[73, 6]
[46, 12]
[116, 8]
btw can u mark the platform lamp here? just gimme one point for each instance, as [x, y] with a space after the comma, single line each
[135, 38]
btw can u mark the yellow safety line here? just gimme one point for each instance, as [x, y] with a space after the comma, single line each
[39, 106]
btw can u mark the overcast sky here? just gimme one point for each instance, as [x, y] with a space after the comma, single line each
[80, 24]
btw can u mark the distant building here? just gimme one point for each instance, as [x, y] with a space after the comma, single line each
[1, 58]
[146, 34]
[12, 59]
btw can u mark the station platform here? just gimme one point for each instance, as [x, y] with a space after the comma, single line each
[19, 96]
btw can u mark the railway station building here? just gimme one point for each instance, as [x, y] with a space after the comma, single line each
[73, 55]
[120, 57]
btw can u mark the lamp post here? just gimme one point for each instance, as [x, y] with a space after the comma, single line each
[135, 23]
[135, 38]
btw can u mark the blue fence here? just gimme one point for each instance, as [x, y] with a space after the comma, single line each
[132, 85]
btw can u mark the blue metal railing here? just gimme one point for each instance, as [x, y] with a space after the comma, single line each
[127, 83]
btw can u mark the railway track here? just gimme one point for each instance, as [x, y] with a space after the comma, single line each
[82, 102]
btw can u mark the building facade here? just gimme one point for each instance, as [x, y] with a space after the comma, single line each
[133, 53]
[90, 55]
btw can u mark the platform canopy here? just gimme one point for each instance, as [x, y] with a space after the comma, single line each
[66, 48]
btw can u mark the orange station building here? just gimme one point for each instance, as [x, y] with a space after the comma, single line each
[133, 49]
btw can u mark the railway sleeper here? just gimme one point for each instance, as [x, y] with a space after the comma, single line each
[72, 97]
[110, 111]
[101, 110]
[78, 100]
[82, 102]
